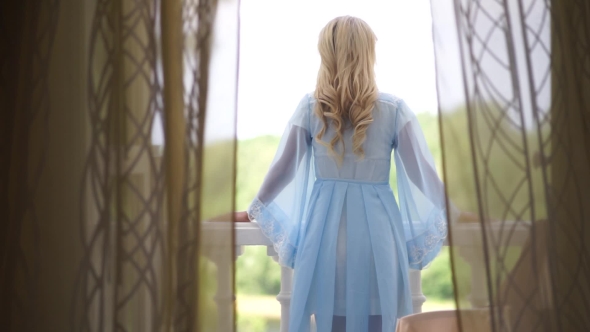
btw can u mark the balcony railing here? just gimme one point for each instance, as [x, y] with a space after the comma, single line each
[467, 237]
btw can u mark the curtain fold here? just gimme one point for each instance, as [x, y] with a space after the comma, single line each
[174, 122]
[513, 84]
[103, 154]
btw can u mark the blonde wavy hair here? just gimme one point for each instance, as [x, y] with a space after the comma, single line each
[346, 89]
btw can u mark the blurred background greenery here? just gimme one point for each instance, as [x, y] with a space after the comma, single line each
[258, 277]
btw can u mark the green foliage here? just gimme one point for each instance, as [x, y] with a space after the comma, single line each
[252, 323]
[207, 286]
[430, 127]
[499, 148]
[217, 183]
[437, 282]
[257, 273]
[254, 158]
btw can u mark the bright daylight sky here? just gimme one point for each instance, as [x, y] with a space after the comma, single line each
[279, 58]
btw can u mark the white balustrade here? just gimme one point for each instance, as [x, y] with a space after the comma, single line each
[418, 297]
[465, 236]
[284, 296]
[218, 249]
[468, 238]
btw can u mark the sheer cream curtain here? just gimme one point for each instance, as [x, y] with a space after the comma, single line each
[105, 149]
[514, 94]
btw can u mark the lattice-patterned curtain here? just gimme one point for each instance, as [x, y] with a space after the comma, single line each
[514, 95]
[114, 153]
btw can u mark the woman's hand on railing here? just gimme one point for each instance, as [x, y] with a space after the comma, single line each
[241, 216]
[468, 217]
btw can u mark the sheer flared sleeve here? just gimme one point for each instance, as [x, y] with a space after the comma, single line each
[421, 192]
[280, 204]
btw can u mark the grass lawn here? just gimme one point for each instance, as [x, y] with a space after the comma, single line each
[265, 306]
[435, 305]
[268, 306]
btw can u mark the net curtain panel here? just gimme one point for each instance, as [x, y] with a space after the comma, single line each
[98, 235]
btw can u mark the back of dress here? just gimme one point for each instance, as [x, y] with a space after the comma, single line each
[375, 165]
[340, 226]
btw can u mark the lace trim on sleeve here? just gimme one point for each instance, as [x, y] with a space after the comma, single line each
[424, 248]
[271, 226]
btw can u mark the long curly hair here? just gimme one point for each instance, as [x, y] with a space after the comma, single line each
[346, 89]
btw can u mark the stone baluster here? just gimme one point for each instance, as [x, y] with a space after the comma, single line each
[284, 296]
[418, 298]
[224, 298]
[479, 291]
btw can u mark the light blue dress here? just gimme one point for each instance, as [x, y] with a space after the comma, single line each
[340, 227]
